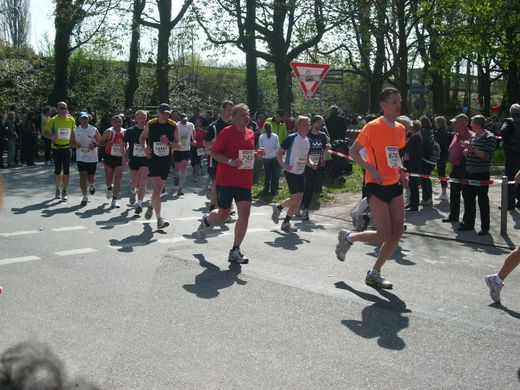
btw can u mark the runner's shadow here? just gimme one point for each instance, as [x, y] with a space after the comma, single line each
[46, 213]
[289, 241]
[308, 226]
[38, 206]
[129, 243]
[91, 212]
[121, 219]
[399, 255]
[512, 313]
[382, 320]
[208, 283]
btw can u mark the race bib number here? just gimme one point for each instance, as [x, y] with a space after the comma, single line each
[247, 158]
[160, 149]
[139, 151]
[315, 157]
[201, 152]
[85, 152]
[392, 156]
[300, 163]
[64, 133]
[116, 150]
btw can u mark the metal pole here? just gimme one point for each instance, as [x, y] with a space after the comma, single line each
[503, 210]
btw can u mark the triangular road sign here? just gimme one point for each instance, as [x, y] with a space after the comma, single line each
[309, 76]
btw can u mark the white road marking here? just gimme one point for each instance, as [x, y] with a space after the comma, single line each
[76, 252]
[68, 228]
[18, 260]
[21, 233]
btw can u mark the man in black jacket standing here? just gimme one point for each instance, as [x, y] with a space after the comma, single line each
[510, 133]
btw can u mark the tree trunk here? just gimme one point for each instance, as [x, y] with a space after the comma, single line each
[402, 66]
[437, 91]
[283, 85]
[456, 87]
[513, 83]
[163, 66]
[484, 88]
[61, 59]
[251, 62]
[133, 61]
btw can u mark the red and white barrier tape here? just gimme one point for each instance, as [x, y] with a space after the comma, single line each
[359, 130]
[446, 179]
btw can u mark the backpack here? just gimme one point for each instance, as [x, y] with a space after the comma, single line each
[431, 150]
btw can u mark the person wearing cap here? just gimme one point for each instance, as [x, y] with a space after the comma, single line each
[181, 156]
[85, 139]
[278, 125]
[137, 161]
[59, 130]
[159, 136]
[458, 164]
[114, 158]
[234, 149]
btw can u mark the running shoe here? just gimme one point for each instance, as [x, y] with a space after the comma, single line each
[208, 192]
[149, 212]
[494, 288]
[176, 180]
[305, 215]
[92, 189]
[58, 194]
[138, 210]
[132, 197]
[109, 193]
[375, 279]
[114, 204]
[276, 214]
[84, 201]
[162, 223]
[287, 227]
[343, 245]
[179, 192]
[441, 196]
[64, 195]
[203, 229]
[235, 256]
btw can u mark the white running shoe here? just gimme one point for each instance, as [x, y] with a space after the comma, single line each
[203, 229]
[276, 214]
[162, 223]
[235, 256]
[114, 204]
[494, 288]
[109, 193]
[149, 212]
[132, 197]
[344, 244]
[84, 201]
[287, 227]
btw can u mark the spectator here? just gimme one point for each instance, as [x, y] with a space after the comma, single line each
[510, 132]
[278, 125]
[3, 141]
[12, 136]
[336, 124]
[30, 138]
[458, 164]
[427, 165]
[443, 138]
[412, 158]
[46, 115]
[197, 149]
[478, 151]
[260, 120]
[270, 142]
[197, 115]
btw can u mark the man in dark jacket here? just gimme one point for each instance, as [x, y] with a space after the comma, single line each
[335, 124]
[510, 132]
[412, 158]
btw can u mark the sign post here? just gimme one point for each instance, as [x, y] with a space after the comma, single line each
[309, 76]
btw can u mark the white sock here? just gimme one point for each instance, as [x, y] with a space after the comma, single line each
[140, 203]
[158, 215]
[134, 190]
[182, 179]
[498, 280]
[373, 271]
[348, 237]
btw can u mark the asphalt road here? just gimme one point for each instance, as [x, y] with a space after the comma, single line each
[130, 307]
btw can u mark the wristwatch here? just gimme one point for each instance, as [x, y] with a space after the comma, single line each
[229, 161]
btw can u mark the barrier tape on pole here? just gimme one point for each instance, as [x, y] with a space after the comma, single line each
[359, 130]
[477, 183]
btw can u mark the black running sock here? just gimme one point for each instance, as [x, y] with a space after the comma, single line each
[235, 248]
[109, 188]
[212, 207]
[206, 221]
[280, 207]
[286, 219]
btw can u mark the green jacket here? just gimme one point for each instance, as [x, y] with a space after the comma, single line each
[280, 129]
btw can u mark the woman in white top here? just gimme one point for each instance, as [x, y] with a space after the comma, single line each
[85, 139]
[270, 142]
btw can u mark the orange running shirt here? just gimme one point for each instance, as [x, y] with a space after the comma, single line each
[382, 143]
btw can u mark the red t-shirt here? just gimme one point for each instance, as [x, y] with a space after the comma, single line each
[229, 142]
[199, 137]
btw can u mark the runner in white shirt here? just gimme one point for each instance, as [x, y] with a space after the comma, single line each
[85, 139]
[183, 155]
[296, 148]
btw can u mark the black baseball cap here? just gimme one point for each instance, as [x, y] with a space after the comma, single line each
[183, 116]
[165, 107]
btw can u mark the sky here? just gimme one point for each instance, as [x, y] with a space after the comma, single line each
[42, 24]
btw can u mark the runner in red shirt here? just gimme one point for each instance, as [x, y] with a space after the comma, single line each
[234, 149]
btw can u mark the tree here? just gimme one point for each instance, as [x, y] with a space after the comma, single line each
[133, 60]
[164, 26]
[15, 21]
[285, 28]
[77, 22]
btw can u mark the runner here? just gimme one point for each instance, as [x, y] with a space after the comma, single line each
[181, 156]
[296, 148]
[59, 130]
[114, 159]
[496, 282]
[138, 162]
[382, 139]
[197, 150]
[234, 149]
[85, 139]
[226, 109]
[158, 137]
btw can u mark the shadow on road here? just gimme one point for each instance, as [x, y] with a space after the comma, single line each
[37, 206]
[289, 241]
[212, 279]
[129, 243]
[512, 313]
[399, 256]
[64, 210]
[382, 320]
